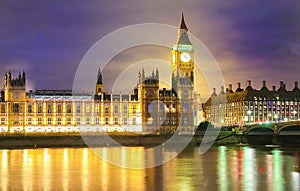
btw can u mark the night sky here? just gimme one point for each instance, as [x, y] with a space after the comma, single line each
[258, 40]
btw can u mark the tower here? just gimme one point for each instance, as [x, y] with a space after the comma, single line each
[14, 89]
[182, 56]
[99, 84]
[183, 75]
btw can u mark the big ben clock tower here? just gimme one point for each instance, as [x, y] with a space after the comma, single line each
[182, 56]
[183, 75]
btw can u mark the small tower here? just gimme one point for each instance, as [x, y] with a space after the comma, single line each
[99, 84]
[15, 89]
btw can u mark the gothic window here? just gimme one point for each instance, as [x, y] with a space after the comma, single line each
[97, 121]
[69, 108]
[59, 121]
[69, 121]
[78, 121]
[59, 108]
[16, 108]
[78, 109]
[2, 108]
[150, 108]
[49, 108]
[29, 108]
[49, 121]
[185, 108]
[125, 108]
[40, 108]
[116, 109]
[185, 120]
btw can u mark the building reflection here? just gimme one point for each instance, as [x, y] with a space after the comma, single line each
[236, 169]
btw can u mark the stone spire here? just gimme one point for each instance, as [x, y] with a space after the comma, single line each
[182, 22]
[99, 77]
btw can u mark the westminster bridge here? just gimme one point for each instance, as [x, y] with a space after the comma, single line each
[273, 133]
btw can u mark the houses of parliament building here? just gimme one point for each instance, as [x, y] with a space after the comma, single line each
[147, 109]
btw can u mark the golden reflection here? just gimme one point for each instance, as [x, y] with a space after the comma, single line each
[4, 170]
[47, 171]
[85, 170]
[27, 170]
[104, 171]
[65, 180]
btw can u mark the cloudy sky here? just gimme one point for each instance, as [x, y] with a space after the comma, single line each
[258, 40]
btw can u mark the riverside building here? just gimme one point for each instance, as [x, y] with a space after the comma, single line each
[246, 106]
[147, 109]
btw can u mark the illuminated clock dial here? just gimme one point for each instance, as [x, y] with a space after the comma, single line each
[185, 57]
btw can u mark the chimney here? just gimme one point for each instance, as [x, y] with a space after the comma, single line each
[214, 89]
[296, 84]
[274, 88]
[264, 83]
[230, 87]
[239, 85]
[249, 83]
[284, 86]
[222, 88]
[281, 84]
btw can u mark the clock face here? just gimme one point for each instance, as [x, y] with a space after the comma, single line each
[185, 57]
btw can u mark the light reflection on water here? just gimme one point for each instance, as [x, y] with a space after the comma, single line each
[222, 168]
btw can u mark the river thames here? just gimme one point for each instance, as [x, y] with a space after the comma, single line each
[221, 168]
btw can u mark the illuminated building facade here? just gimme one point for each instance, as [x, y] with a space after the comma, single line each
[245, 106]
[147, 109]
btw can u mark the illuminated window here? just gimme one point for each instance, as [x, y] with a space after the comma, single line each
[29, 108]
[87, 120]
[78, 109]
[167, 107]
[40, 108]
[2, 108]
[106, 108]
[69, 108]
[69, 121]
[97, 121]
[116, 109]
[59, 108]
[150, 108]
[106, 120]
[174, 121]
[185, 108]
[97, 109]
[125, 120]
[134, 109]
[29, 121]
[2, 121]
[49, 121]
[125, 108]
[78, 120]
[49, 108]
[16, 108]
[134, 121]
[59, 121]
[39, 120]
[87, 109]
[185, 120]
[116, 121]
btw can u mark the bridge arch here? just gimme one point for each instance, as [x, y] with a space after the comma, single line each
[289, 130]
[260, 130]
